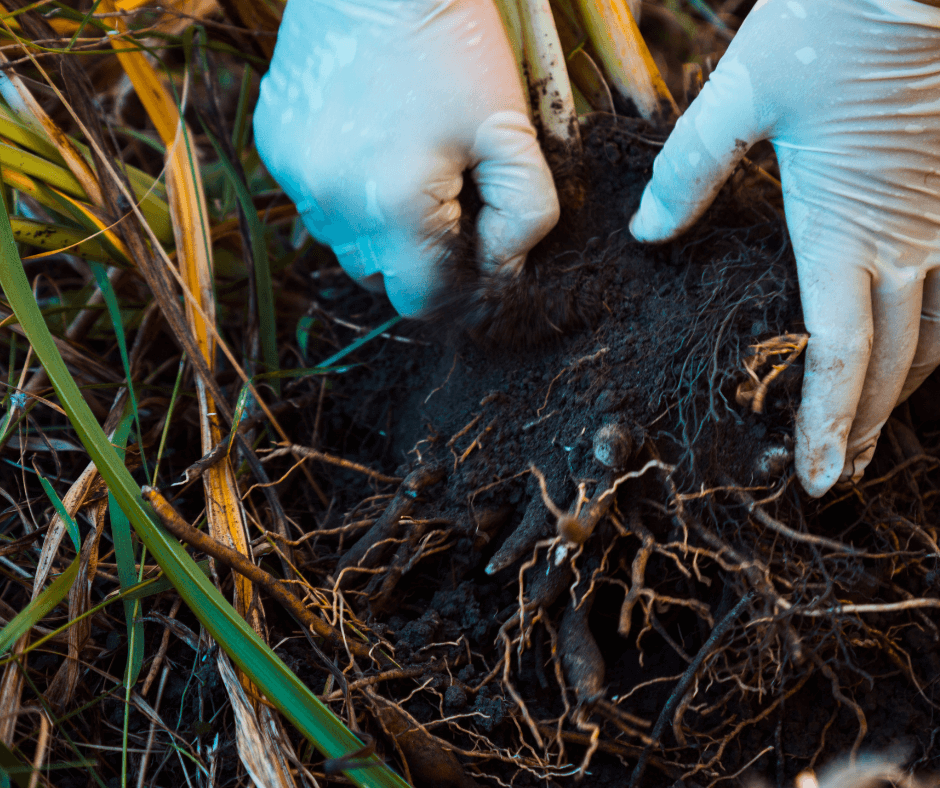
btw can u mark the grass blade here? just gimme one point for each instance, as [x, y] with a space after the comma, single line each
[157, 585]
[126, 567]
[37, 167]
[44, 603]
[87, 216]
[56, 238]
[266, 316]
[38, 608]
[110, 300]
[67, 518]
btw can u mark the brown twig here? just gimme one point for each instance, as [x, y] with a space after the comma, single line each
[313, 454]
[775, 525]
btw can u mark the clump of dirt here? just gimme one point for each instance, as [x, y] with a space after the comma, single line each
[696, 615]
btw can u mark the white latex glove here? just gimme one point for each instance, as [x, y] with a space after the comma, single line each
[848, 91]
[368, 117]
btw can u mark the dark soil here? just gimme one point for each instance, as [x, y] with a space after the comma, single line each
[654, 341]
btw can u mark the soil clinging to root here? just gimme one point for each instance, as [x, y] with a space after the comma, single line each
[599, 565]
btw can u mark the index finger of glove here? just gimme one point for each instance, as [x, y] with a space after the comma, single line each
[405, 263]
[707, 143]
[411, 267]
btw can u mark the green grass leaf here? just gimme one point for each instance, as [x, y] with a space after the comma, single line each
[267, 322]
[127, 567]
[43, 604]
[360, 342]
[157, 585]
[60, 509]
[304, 327]
[110, 300]
[38, 167]
[53, 237]
[39, 608]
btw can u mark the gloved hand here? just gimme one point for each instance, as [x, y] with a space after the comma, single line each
[368, 117]
[848, 91]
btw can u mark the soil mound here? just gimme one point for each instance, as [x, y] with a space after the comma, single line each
[599, 560]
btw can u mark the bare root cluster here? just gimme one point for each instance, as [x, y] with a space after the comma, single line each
[735, 623]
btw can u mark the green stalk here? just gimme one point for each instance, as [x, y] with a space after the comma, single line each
[627, 60]
[548, 76]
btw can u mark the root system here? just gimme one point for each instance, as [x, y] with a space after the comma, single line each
[682, 611]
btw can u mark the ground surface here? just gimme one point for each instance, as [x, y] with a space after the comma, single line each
[731, 653]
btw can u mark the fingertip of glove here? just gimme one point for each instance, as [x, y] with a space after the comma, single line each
[653, 222]
[818, 469]
[815, 487]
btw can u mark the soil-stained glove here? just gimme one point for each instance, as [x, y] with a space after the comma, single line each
[848, 91]
[368, 117]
